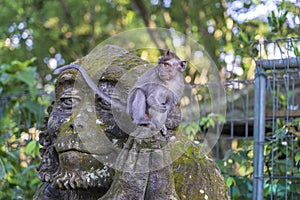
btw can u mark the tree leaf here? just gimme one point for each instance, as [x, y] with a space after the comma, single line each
[230, 182]
[2, 169]
[31, 148]
[27, 76]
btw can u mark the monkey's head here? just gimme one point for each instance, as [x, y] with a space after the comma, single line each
[170, 65]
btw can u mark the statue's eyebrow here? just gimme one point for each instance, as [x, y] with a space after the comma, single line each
[66, 78]
[70, 92]
[86, 77]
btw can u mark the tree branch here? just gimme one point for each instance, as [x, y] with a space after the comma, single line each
[66, 12]
[140, 6]
[187, 18]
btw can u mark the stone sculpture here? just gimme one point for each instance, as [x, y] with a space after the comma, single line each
[86, 153]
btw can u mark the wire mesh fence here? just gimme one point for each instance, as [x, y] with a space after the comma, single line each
[276, 120]
[258, 151]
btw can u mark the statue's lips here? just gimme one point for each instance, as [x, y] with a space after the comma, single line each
[101, 149]
[73, 159]
[75, 150]
[67, 142]
[84, 160]
[70, 146]
[105, 154]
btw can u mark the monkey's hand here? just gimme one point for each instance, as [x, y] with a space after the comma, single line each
[160, 108]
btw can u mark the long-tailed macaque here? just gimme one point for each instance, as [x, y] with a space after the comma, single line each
[156, 92]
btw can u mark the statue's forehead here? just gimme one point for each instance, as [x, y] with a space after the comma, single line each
[69, 78]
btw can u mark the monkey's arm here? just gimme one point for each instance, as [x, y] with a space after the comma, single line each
[137, 107]
[87, 78]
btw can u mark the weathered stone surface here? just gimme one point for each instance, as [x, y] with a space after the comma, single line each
[198, 178]
[82, 140]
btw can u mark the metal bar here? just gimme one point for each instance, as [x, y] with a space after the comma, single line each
[246, 116]
[259, 134]
[287, 89]
[218, 126]
[273, 130]
[283, 113]
[279, 63]
[232, 115]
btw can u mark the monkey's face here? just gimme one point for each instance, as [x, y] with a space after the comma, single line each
[169, 68]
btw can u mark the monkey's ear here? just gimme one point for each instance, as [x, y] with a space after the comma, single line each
[182, 66]
[168, 52]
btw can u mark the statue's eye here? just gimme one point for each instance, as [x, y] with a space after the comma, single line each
[69, 102]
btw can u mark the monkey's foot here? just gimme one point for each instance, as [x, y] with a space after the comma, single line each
[143, 132]
[142, 121]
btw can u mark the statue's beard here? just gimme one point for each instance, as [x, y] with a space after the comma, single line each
[49, 165]
[101, 178]
[64, 174]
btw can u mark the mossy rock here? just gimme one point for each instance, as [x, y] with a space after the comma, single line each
[198, 178]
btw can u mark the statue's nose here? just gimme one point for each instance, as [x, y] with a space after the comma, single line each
[76, 126]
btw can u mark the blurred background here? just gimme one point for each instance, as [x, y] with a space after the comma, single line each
[37, 36]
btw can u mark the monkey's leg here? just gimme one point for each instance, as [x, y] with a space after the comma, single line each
[139, 107]
[164, 130]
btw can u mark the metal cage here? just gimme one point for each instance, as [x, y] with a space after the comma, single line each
[276, 120]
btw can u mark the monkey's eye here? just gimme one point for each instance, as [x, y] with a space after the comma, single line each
[167, 64]
[182, 66]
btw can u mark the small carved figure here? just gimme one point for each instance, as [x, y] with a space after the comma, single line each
[156, 92]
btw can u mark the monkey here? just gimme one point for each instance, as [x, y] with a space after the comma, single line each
[156, 92]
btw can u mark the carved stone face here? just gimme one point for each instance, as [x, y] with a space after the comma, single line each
[81, 136]
[81, 140]
[67, 161]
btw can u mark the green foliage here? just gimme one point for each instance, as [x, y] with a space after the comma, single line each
[277, 19]
[281, 159]
[283, 150]
[211, 120]
[22, 111]
[195, 130]
[237, 169]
